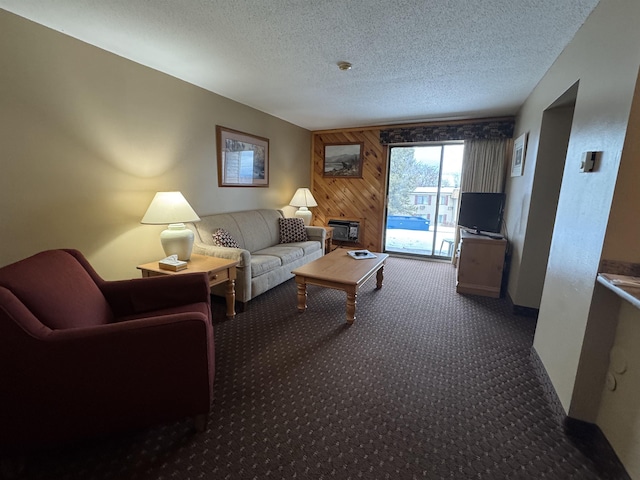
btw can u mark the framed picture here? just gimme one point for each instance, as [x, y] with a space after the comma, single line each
[343, 160]
[519, 149]
[243, 159]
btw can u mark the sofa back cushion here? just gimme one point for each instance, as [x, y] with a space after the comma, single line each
[253, 229]
[57, 290]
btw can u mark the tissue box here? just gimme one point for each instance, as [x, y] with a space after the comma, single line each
[174, 266]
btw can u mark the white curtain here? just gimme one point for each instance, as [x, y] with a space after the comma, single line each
[484, 167]
[484, 164]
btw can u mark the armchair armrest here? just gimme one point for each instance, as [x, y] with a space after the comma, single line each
[138, 295]
[237, 254]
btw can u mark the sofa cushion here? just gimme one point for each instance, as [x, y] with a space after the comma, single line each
[292, 230]
[261, 264]
[287, 253]
[308, 247]
[222, 238]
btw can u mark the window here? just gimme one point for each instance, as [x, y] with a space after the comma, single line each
[423, 182]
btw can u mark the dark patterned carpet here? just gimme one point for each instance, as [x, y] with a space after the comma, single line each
[425, 384]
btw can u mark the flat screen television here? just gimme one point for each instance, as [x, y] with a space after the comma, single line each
[481, 211]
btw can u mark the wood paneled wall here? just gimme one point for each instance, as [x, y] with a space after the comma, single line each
[359, 199]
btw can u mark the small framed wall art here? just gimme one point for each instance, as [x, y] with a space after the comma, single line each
[517, 160]
[243, 159]
[343, 160]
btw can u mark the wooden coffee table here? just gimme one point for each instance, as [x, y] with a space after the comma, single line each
[219, 271]
[339, 271]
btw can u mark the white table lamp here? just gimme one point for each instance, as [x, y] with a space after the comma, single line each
[173, 209]
[303, 199]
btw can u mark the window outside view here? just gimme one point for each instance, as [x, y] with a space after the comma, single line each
[422, 208]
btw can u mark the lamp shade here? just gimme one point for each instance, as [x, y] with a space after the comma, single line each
[169, 207]
[303, 198]
[173, 209]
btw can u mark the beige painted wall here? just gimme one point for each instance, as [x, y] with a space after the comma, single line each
[577, 321]
[604, 56]
[87, 138]
[622, 241]
[619, 410]
[619, 415]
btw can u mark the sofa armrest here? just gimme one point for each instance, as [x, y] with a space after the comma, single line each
[317, 234]
[138, 295]
[237, 254]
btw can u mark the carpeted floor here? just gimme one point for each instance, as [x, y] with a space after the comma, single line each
[425, 384]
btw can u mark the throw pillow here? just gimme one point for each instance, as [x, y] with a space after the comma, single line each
[222, 238]
[292, 230]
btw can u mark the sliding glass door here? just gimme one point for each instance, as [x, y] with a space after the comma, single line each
[422, 199]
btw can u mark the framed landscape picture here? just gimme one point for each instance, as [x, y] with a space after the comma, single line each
[519, 149]
[243, 159]
[343, 160]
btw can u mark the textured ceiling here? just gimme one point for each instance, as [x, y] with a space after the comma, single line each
[413, 60]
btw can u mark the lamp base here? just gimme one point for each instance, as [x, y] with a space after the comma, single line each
[305, 214]
[177, 240]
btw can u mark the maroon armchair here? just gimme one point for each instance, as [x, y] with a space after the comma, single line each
[81, 356]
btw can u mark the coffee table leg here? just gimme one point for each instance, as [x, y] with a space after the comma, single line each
[302, 294]
[379, 277]
[351, 306]
[230, 295]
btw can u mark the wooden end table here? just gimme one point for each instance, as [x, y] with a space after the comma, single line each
[328, 241]
[338, 270]
[219, 271]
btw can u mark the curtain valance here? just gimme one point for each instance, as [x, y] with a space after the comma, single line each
[438, 133]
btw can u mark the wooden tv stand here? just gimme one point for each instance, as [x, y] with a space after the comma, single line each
[480, 264]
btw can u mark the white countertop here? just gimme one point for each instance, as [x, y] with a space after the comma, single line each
[624, 286]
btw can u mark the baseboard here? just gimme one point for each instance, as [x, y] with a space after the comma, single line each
[522, 311]
[525, 311]
[548, 389]
[587, 437]
[591, 441]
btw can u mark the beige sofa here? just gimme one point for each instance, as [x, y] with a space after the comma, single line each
[264, 261]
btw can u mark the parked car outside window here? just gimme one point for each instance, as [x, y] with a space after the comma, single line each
[407, 222]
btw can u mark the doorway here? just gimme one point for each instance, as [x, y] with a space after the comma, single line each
[555, 132]
[422, 199]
